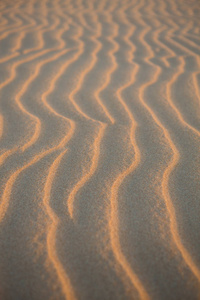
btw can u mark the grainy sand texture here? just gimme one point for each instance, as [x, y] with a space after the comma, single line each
[99, 149]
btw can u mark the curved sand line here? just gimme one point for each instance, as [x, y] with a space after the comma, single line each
[66, 286]
[169, 98]
[1, 125]
[106, 82]
[89, 174]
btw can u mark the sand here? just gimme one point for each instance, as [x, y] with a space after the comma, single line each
[100, 149]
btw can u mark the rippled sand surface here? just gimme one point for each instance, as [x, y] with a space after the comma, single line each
[99, 149]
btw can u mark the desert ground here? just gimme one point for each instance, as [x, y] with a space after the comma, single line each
[100, 149]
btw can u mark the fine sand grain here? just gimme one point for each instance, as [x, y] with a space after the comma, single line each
[100, 149]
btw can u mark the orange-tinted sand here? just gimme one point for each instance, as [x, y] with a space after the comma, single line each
[100, 149]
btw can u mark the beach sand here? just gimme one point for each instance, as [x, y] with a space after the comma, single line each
[100, 149]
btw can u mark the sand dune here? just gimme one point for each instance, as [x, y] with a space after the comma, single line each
[99, 157]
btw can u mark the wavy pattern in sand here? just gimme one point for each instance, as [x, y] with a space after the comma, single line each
[94, 96]
[174, 162]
